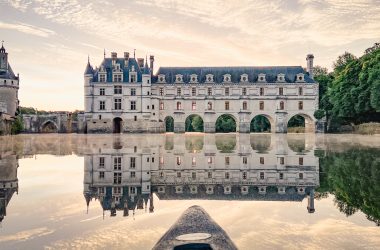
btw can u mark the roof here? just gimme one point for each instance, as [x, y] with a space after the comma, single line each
[270, 72]
[9, 74]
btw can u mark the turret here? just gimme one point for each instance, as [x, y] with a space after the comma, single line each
[3, 59]
[309, 66]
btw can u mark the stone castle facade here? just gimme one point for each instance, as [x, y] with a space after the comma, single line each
[123, 95]
[9, 85]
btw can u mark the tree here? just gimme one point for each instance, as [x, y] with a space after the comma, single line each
[225, 124]
[169, 124]
[260, 124]
[17, 126]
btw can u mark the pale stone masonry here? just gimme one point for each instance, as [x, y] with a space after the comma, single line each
[123, 95]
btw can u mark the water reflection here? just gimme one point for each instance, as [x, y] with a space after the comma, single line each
[8, 180]
[214, 167]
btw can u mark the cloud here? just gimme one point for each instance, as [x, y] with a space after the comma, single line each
[27, 29]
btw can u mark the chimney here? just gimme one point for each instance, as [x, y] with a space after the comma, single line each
[309, 66]
[140, 62]
[151, 58]
[114, 57]
[126, 58]
[310, 202]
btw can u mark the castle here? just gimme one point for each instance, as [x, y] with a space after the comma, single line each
[9, 85]
[123, 95]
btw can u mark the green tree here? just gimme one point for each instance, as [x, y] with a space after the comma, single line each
[17, 126]
[260, 124]
[225, 124]
[169, 124]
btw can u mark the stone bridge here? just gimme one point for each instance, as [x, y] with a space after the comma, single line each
[49, 123]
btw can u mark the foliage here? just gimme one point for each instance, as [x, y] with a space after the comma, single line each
[169, 124]
[296, 121]
[194, 123]
[319, 114]
[17, 126]
[225, 144]
[260, 124]
[225, 124]
[354, 178]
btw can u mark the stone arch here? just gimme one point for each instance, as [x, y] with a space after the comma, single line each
[226, 123]
[194, 123]
[117, 124]
[303, 122]
[169, 124]
[49, 126]
[262, 123]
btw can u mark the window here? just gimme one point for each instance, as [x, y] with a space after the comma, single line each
[161, 91]
[209, 105]
[102, 91]
[117, 104]
[133, 92]
[209, 91]
[135, 149]
[178, 174]
[300, 175]
[227, 105]
[100, 117]
[161, 105]
[133, 78]
[117, 78]
[179, 160]
[209, 160]
[116, 178]
[179, 91]
[147, 107]
[102, 78]
[152, 159]
[102, 105]
[244, 91]
[132, 190]
[193, 175]
[135, 118]
[193, 91]
[281, 91]
[132, 163]
[101, 162]
[226, 175]
[117, 90]
[147, 159]
[227, 91]
[133, 105]
[261, 105]
[282, 160]
[101, 175]
[245, 106]
[152, 106]
[281, 176]
[193, 161]
[300, 105]
[161, 160]
[117, 163]
[282, 106]
[133, 174]
[262, 176]
[179, 106]
[193, 106]
[209, 174]
[261, 160]
[244, 175]
[227, 160]
[261, 91]
[300, 161]
[300, 91]
[245, 160]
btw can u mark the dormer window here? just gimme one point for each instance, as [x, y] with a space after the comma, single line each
[117, 77]
[261, 78]
[102, 69]
[117, 67]
[300, 77]
[193, 78]
[179, 78]
[280, 78]
[102, 77]
[132, 77]
[161, 78]
[227, 78]
[244, 78]
[209, 78]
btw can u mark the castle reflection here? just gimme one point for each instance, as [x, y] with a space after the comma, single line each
[124, 175]
[8, 180]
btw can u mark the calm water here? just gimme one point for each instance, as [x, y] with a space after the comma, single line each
[124, 192]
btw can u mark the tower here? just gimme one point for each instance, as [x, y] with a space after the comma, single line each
[309, 65]
[88, 87]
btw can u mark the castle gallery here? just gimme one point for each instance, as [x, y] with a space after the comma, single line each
[123, 95]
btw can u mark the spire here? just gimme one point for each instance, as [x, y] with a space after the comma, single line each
[146, 69]
[104, 53]
[2, 49]
[134, 53]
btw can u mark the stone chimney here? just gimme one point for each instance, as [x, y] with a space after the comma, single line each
[309, 66]
[151, 58]
[126, 58]
[140, 62]
[114, 57]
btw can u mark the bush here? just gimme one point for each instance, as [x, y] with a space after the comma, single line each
[17, 126]
[319, 114]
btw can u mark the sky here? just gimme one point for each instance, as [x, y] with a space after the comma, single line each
[49, 41]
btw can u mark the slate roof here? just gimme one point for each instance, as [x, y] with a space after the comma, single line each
[9, 74]
[271, 73]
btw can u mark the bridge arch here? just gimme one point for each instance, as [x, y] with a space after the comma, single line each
[49, 126]
[169, 124]
[194, 123]
[262, 123]
[226, 123]
[300, 123]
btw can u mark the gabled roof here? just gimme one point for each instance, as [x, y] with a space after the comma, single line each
[270, 72]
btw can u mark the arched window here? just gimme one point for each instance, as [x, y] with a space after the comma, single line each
[179, 105]
[245, 106]
[179, 160]
[209, 105]
[282, 106]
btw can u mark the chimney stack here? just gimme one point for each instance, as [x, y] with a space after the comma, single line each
[309, 66]
[140, 62]
[126, 56]
[151, 58]
[114, 57]
[310, 202]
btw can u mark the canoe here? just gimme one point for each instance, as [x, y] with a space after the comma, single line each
[195, 229]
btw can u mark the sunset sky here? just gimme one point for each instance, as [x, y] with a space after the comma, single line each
[49, 41]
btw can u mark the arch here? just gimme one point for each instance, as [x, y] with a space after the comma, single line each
[261, 124]
[49, 127]
[194, 123]
[225, 123]
[261, 143]
[169, 124]
[300, 123]
[117, 125]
